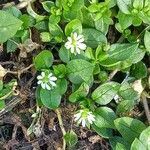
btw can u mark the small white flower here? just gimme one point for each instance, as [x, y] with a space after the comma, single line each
[75, 43]
[117, 98]
[85, 117]
[47, 81]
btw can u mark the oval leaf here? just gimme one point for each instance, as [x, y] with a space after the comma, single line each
[50, 99]
[9, 25]
[79, 71]
[43, 60]
[129, 128]
[105, 92]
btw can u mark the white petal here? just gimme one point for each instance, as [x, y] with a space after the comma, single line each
[83, 122]
[81, 40]
[50, 75]
[75, 35]
[68, 45]
[72, 49]
[78, 50]
[82, 46]
[53, 78]
[48, 87]
[39, 82]
[69, 39]
[52, 83]
[43, 74]
[77, 116]
[90, 119]
[79, 37]
[43, 85]
[39, 77]
[79, 121]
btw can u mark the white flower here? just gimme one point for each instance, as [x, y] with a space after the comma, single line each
[85, 117]
[75, 43]
[47, 81]
[116, 98]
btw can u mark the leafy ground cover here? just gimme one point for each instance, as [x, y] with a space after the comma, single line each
[74, 74]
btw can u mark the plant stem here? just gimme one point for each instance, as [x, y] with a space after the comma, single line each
[61, 126]
[146, 107]
[112, 74]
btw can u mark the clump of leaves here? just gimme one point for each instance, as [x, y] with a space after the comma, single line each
[86, 61]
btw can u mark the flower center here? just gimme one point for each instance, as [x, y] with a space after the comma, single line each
[46, 79]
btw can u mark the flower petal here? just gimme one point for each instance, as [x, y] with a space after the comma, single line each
[75, 35]
[77, 50]
[79, 37]
[43, 74]
[82, 46]
[52, 83]
[83, 122]
[39, 82]
[72, 49]
[69, 39]
[77, 116]
[53, 78]
[43, 85]
[39, 77]
[50, 75]
[48, 87]
[68, 45]
[81, 40]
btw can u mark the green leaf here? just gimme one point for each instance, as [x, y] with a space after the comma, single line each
[9, 25]
[127, 92]
[61, 87]
[27, 20]
[1, 85]
[43, 60]
[55, 29]
[143, 141]
[104, 117]
[79, 71]
[45, 36]
[138, 145]
[47, 5]
[129, 128]
[124, 5]
[12, 45]
[101, 25]
[124, 20]
[139, 70]
[103, 132]
[138, 4]
[80, 93]
[13, 11]
[118, 143]
[87, 20]
[136, 56]
[60, 70]
[50, 99]
[125, 106]
[37, 95]
[105, 92]
[145, 137]
[71, 138]
[2, 104]
[147, 40]
[118, 53]
[94, 37]
[73, 26]
[64, 54]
